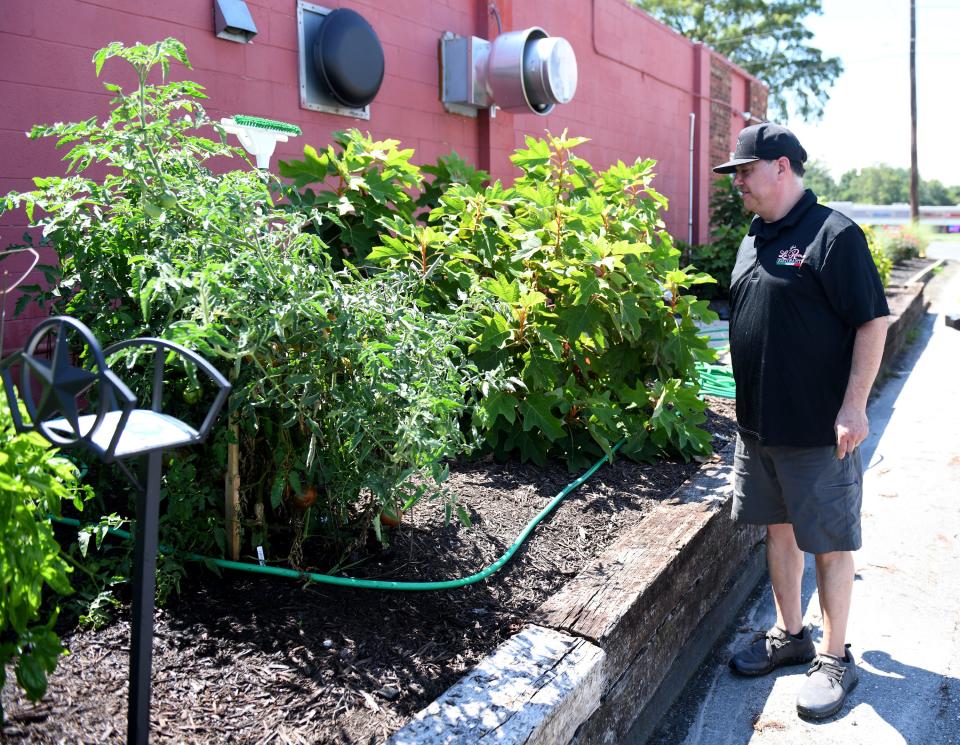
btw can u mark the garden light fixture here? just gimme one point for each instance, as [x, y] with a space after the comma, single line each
[55, 392]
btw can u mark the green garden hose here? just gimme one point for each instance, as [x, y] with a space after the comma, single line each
[716, 380]
[370, 584]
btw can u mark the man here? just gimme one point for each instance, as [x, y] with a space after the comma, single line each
[807, 330]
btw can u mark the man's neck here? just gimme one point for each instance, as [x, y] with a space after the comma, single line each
[787, 203]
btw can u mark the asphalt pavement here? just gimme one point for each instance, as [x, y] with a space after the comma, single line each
[905, 620]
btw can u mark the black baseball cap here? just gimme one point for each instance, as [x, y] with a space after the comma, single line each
[763, 142]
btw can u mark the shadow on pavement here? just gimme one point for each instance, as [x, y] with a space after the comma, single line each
[890, 688]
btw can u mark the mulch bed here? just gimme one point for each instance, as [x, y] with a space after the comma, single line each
[244, 659]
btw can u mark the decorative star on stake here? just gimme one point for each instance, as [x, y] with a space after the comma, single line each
[62, 384]
[118, 430]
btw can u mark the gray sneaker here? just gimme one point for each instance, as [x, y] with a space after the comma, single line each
[774, 649]
[829, 680]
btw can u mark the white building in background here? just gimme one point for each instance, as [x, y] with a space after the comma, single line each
[941, 219]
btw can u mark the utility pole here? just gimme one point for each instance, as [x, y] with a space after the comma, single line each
[914, 177]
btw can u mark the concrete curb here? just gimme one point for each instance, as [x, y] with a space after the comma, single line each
[611, 651]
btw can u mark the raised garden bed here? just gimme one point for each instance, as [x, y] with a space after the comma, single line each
[910, 270]
[245, 659]
[609, 653]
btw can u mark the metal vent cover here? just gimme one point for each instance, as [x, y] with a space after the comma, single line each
[525, 71]
[315, 91]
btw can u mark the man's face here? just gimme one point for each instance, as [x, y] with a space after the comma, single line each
[760, 183]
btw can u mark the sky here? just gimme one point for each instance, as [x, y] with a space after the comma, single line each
[867, 120]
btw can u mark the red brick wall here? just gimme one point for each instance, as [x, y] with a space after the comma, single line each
[638, 84]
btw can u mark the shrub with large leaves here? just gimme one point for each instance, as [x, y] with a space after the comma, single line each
[359, 181]
[593, 324]
[729, 222]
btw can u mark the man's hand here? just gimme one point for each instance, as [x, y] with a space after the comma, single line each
[852, 428]
[851, 424]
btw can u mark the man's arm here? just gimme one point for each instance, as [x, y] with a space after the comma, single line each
[852, 426]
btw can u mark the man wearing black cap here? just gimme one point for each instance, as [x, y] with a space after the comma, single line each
[807, 330]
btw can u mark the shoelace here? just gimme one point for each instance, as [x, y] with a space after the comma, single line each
[833, 670]
[776, 640]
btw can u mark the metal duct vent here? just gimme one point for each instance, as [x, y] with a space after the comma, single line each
[520, 71]
[232, 21]
[341, 61]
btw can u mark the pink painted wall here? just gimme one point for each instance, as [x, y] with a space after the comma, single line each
[638, 84]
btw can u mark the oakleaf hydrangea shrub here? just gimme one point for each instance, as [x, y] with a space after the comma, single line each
[593, 323]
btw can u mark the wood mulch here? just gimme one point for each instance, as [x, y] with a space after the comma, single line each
[247, 659]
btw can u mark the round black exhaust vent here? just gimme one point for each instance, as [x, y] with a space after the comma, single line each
[348, 57]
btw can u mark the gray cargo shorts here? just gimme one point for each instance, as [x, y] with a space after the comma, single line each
[807, 487]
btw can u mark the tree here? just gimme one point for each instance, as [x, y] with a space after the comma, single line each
[879, 184]
[767, 38]
[934, 194]
[818, 178]
[883, 184]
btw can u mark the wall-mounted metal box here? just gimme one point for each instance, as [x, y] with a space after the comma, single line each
[463, 60]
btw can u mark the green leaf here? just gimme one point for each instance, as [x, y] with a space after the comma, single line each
[499, 404]
[390, 249]
[295, 483]
[536, 154]
[276, 491]
[502, 288]
[32, 676]
[536, 411]
[580, 320]
[464, 516]
[540, 373]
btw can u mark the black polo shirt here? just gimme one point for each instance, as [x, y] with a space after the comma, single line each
[800, 288]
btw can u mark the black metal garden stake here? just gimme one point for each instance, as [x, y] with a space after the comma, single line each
[51, 392]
